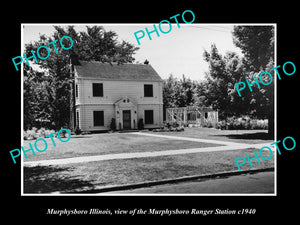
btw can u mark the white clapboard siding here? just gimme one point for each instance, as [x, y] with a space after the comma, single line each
[87, 120]
[115, 90]
[157, 114]
[86, 115]
[112, 92]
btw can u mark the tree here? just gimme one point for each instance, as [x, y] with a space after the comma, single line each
[178, 93]
[169, 86]
[184, 92]
[94, 44]
[36, 94]
[257, 44]
[224, 72]
[100, 45]
[200, 94]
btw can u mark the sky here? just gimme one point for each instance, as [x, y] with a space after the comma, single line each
[178, 52]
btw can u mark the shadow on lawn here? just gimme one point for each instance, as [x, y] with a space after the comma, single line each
[45, 179]
[248, 136]
[81, 136]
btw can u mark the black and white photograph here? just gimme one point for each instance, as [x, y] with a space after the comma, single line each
[125, 109]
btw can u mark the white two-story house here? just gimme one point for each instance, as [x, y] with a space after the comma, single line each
[127, 93]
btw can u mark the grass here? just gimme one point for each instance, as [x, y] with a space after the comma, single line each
[45, 179]
[89, 176]
[99, 144]
[240, 136]
[92, 175]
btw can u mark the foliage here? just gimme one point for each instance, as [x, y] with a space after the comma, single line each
[257, 44]
[179, 93]
[47, 93]
[113, 124]
[169, 127]
[141, 124]
[218, 91]
[242, 123]
[208, 124]
[36, 99]
[224, 72]
[77, 130]
[35, 133]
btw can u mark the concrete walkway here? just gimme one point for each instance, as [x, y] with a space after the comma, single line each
[227, 146]
[192, 139]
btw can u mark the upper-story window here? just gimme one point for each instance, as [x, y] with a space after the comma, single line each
[148, 90]
[97, 90]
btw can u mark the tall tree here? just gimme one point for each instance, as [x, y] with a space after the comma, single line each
[224, 72]
[94, 44]
[257, 44]
[169, 87]
[178, 93]
[200, 93]
[184, 92]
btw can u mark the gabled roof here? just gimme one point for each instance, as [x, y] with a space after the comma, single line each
[125, 101]
[114, 71]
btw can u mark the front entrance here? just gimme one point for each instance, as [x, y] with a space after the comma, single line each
[126, 119]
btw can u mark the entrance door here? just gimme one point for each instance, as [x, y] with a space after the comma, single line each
[126, 119]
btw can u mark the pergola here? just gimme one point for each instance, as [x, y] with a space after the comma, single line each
[200, 116]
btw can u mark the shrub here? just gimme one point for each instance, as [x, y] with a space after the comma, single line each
[180, 128]
[31, 134]
[176, 125]
[47, 132]
[34, 133]
[168, 125]
[25, 135]
[77, 130]
[113, 124]
[209, 124]
[242, 123]
[222, 125]
[259, 124]
[141, 124]
[41, 132]
[62, 134]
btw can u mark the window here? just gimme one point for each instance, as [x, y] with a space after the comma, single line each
[98, 118]
[97, 90]
[148, 90]
[76, 90]
[148, 116]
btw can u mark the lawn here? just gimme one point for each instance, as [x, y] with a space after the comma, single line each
[109, 143]
[94, 175]
[240, 136]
